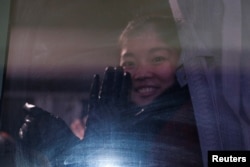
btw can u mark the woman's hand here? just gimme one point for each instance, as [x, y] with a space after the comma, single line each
[44, 132]
[108, 100]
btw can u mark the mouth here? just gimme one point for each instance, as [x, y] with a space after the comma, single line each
[146, 90]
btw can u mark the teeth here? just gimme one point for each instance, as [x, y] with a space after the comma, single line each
[145, 90]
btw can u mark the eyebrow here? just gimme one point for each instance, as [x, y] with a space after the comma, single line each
[126, 55]
[153, 50]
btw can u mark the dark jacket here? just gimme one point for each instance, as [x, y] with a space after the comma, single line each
[161, 134]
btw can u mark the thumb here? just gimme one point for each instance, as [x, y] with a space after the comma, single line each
[33, 110]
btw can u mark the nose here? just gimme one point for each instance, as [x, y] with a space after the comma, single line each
[143, 71]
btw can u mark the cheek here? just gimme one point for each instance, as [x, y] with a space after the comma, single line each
[166, 74]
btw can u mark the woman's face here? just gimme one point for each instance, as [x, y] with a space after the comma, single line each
[151, 63]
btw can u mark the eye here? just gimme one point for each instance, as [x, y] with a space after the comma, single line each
[158, 59]
[128, 64]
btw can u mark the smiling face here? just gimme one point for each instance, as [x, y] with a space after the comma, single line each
[151, 63]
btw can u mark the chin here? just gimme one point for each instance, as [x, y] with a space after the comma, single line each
[143, 102]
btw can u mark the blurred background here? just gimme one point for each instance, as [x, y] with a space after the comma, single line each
[55, 47]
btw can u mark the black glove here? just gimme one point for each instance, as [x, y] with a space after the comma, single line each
[44, 132]
[108, 101]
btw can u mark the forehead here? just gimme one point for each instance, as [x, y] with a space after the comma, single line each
[143, 32]
[144, 40]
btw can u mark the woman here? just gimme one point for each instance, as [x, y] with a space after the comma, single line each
[157, 120]
[139, 116]
[150, 52]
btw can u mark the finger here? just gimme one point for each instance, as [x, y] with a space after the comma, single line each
[118, 79]
[94, 91]
[23, 130]
[26, 128]
[107, 85]
[126, 89]
[32, 110]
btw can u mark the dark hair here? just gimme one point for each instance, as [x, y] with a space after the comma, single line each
[164, 26]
